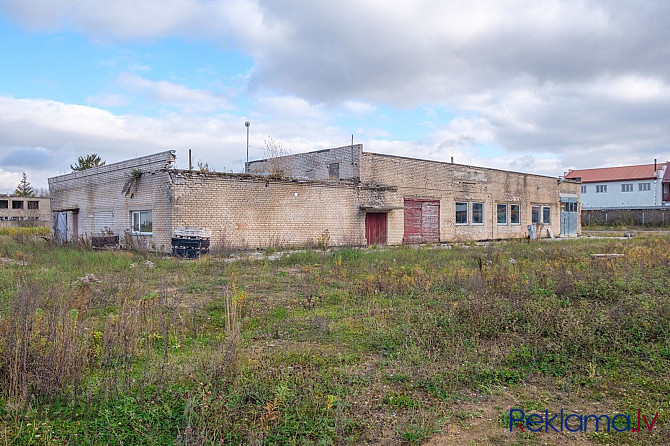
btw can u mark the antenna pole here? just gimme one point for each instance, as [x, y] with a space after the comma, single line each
[247, 124]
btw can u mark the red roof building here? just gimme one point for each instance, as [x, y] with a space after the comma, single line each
[644, 185]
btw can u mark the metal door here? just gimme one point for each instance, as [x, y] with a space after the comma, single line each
[569, 216]
[375, 228]
[61, 227]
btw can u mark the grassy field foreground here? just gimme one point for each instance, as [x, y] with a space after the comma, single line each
[400, 345]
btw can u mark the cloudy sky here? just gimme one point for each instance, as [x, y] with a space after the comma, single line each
[527, 85]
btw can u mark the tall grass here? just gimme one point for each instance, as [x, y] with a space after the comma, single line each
[311, 347]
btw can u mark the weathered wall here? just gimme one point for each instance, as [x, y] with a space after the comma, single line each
[451, 183]
[27, 215]
[248, 211]
[312, 165]
[95, 196]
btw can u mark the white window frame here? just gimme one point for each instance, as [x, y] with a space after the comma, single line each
[518, 207]
[543, 208]
[539, 214]
[506, 214]
[627, 187]
[467, 213]
[601, 188]
[473, 213]
[583, 189]
[139, 217]
[644, 187]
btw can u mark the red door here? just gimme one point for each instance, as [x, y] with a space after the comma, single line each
[375, 228]
[422, 221]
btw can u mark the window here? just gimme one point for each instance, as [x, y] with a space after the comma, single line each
[583, 189]
[644, 186]
[17, 204]
[501, 211]
[546, 214]
[601, 188]
[33, 204]
[477, 213]
[142, 223]
[461, 213]
[628, 187]
[334, 171]
[4, 204]
[515, 214]
[536, 214]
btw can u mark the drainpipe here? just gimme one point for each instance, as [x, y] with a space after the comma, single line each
[656, 184]
[493, 215]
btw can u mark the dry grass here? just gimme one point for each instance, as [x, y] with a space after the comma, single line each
[347, 346]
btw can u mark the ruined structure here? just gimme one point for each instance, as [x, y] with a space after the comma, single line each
[24, 211]
[341, 196]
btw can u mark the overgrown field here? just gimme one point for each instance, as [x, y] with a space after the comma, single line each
[380, 346]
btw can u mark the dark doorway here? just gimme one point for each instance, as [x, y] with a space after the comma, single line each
[375, 228]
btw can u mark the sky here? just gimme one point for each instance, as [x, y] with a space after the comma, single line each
[525, 85]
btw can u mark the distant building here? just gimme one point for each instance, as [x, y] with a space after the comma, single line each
[24, 211]
[625, 187]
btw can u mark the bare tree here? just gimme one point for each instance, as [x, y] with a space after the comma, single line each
[275, 154]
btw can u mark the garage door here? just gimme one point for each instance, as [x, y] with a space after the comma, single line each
[422, 221]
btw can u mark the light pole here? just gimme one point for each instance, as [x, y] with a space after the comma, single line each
[247, 124]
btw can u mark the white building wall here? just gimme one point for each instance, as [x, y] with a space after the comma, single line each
[615, 198]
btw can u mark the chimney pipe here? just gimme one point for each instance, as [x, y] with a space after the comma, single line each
[452, 160]
[655, 167]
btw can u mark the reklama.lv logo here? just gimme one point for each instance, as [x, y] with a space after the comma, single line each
[577, 423]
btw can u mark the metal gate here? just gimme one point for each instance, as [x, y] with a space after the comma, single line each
[61, 227]
[375, 228]
[569, 216]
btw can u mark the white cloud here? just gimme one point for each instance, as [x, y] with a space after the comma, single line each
[9, 180]
[108, 100]
[358, 107]
[551, 84]
[174, 95]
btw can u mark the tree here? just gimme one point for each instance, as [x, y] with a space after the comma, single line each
[275, 154]
[86, 162]
[24, 189]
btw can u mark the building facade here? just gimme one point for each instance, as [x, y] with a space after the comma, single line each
[341, 196]
[24, 211]
[627, 187]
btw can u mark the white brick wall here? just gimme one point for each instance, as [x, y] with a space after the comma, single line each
[97, 195]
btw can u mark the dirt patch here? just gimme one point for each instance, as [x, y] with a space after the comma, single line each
[8, 261]
[477, 421]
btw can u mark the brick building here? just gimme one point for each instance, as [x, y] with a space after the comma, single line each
[24, 211]
[340, 196]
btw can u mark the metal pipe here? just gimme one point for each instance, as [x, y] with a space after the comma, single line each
[247, 124]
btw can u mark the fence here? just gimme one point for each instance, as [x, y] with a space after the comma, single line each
[658, 217]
